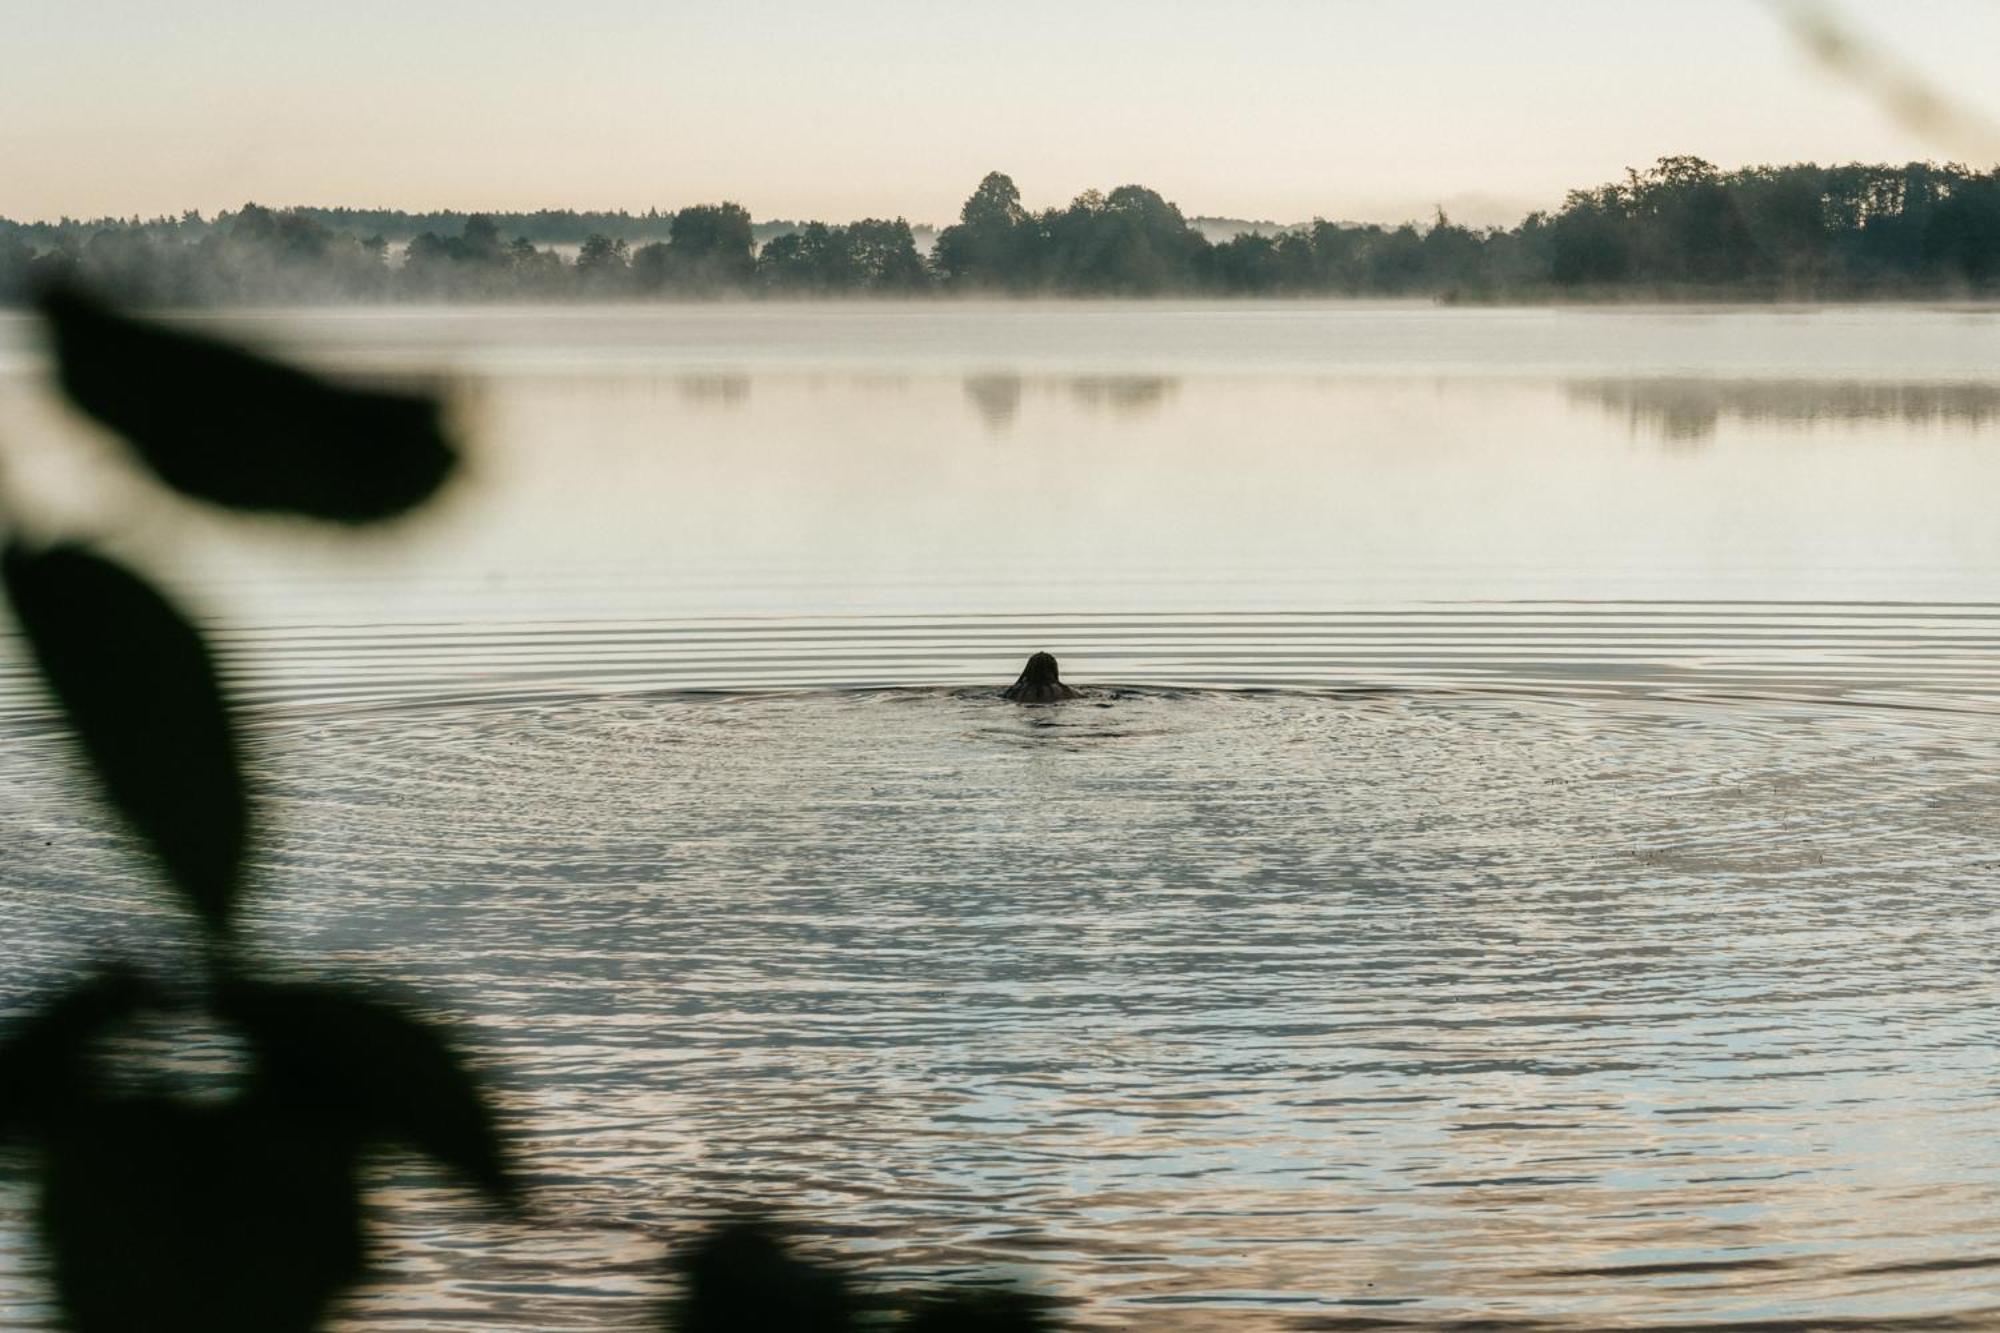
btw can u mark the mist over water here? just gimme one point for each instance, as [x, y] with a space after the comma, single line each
[1527, 855]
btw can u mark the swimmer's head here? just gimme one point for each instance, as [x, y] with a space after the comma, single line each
[1039, 683]
[1040, 671]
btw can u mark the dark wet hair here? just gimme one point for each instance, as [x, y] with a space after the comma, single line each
[1040, 671]
[1039, 683]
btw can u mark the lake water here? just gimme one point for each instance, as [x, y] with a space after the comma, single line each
[1528, 856]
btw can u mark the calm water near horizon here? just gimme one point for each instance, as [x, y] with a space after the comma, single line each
[1529, 854]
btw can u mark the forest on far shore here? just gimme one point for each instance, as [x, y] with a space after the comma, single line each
[1681, 229]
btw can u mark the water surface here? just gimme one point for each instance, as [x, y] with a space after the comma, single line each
[1528, 855]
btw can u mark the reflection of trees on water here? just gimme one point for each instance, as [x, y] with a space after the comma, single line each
[1685, 409]
[997, 398]
[1123, 395]
[715, 390]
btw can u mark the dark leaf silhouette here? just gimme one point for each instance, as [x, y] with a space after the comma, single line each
[43, 1073]
[165, 1216]
[371, 1073]
[742, 1276]
[169, 1215]
[235, 428]
[982, 1311]
[141, 693]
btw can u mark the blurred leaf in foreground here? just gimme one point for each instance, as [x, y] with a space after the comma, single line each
[229, 426]
[141, 693]
[988, 1310]
[373, 1073]
[43, 1075]
[167, 1213]
[161, 1215]
[742, 1275]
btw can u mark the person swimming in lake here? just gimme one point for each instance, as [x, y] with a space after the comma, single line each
[1039, 683]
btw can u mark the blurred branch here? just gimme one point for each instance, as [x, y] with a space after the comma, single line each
[1910, 97]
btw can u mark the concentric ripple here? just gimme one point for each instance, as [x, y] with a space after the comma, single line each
[1414, 1005]
[1527, 860]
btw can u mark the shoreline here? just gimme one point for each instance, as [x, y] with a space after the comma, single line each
[1606, 302]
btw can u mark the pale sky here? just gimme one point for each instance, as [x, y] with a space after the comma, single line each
[1284, 109]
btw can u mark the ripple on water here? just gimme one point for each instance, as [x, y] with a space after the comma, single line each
[1403, 1006]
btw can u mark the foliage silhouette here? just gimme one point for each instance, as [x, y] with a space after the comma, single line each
[710, 247]
[168, 1212]
[166, 1215]
[142, 696]
[370, 1074]
[44, 1077]
[161, 1213]
[743, 1275]
[241, 1214]
[226, 425]
[982, 1311]
[1680, 229]
[867, 256]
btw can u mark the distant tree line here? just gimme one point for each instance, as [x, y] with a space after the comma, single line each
[1680, 229]
[567, 227]
[258, 255]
